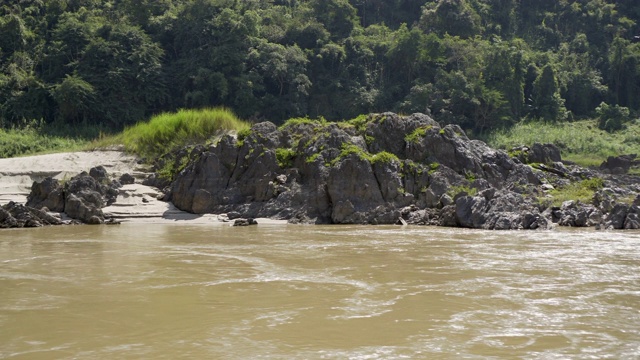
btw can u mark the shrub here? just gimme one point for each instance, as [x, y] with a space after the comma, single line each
[417, 134]
[285, 157]
[612, 117]
[383, 157]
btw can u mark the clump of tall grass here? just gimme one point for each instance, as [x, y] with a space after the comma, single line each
[579, 141]
[173, 130]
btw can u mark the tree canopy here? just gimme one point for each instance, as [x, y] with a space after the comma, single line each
[482, 64]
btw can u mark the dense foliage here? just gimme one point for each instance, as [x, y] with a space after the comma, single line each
[482, 64]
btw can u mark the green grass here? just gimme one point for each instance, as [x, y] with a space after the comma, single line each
[285, 157]
[580, 141]
[173, 130]
[417, 134]
[582, 191]
[31, 141]
[384, 158]
[320, 122]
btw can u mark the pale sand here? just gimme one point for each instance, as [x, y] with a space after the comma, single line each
[136, 203]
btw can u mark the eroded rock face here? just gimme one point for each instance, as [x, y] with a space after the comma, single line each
[338, 173]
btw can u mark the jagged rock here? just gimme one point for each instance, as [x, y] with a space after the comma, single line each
[616, 218]
[13, 215]
[156, 181]
[632, 222]
[127, 179]
[470, 211]
[576, 214]
[389, 130]
[47, 193]
[604, 199]
[493, 210]
[81, 198]
[84, 207]
[86, 195]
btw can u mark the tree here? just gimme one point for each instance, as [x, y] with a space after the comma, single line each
[75, 98]
[453, 17]
[612, 117]
[547, 103]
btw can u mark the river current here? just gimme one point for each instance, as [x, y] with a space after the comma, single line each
[162, 291]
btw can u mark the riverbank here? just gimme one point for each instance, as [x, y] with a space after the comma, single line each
[379, 169]
[135, 203]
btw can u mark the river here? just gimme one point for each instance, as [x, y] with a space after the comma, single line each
[162, 291]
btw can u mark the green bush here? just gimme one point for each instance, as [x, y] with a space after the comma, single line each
[285, 157]
[612, 117]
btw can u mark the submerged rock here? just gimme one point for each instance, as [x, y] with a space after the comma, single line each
[245, 222]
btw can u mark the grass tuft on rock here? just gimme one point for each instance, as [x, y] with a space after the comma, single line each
[581, 191]
[173, 130]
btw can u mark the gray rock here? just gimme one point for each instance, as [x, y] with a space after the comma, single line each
[47, 193]
[632, 222]
[245, 222]
[127, 179]
[14, 215]
[616, 218]
[619, 164]
[99, 173]
[544, 153]
[351, 181]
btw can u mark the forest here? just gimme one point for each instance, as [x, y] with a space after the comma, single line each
[481, 64]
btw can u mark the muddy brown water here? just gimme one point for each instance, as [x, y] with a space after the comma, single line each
[162, 291]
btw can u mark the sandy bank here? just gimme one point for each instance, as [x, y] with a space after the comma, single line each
[135, 202]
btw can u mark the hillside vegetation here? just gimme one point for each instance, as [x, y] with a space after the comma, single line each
[485, 65]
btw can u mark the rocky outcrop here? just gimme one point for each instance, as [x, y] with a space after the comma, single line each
[386, 168]
[13, 215]
[82, 198]
[498, 210]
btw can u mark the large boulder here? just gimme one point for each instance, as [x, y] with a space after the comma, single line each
[619, 164]
[544, 153]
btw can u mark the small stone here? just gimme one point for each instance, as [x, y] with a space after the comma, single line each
[245, 222]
